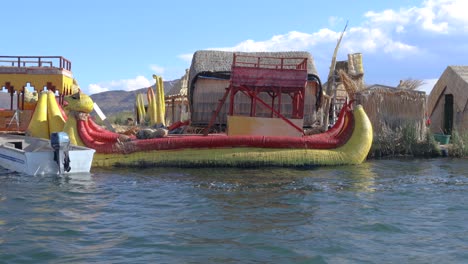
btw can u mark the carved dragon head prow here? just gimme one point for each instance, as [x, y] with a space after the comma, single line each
[79, 102]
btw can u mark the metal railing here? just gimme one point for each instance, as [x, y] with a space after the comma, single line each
[36, 61]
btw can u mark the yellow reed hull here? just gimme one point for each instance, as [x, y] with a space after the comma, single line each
[354, 151]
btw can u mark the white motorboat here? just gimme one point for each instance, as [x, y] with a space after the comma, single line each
[36, 156]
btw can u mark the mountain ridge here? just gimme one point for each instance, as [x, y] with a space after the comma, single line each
[113, 102]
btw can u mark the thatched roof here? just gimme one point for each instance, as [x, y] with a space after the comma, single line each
[454, 78]
[217, 64]
[386, 91]
[214, 61]
[391, 90]
[379, 86]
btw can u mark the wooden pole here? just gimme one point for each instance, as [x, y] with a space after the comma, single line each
[330, 80]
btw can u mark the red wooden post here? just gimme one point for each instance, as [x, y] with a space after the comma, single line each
[273, 96]
[231, 99]
[252, 101]
[279, 100]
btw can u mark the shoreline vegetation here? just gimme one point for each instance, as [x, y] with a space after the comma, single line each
[404, 143]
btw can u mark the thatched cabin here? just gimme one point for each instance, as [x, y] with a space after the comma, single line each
[447, 105]
[177, 101]
[209, 77]
[393, 108]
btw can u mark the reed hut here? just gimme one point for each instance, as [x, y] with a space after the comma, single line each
[177, 108]
[209, 76]
[447, 104]
[393, 108]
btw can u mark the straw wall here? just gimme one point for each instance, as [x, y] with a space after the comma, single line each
[394, 108]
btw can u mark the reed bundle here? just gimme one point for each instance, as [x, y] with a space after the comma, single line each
[349, 85]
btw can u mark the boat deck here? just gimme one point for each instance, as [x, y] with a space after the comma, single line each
[20, 74]
[53, 72]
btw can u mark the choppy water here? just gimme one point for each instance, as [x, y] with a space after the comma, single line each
[411, 211]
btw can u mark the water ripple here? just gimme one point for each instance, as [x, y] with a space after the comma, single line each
[410, 211]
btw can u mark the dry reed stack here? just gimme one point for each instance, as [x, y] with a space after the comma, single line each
[393, 108]
[349, 84]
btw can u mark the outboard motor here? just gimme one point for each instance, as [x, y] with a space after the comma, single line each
[60, 142]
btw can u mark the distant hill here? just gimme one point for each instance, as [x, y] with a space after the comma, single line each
[113, 102]
[116, 101]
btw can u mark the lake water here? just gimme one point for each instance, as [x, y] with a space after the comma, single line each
[386, 211]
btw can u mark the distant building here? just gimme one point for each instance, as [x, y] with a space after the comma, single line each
[447, 105]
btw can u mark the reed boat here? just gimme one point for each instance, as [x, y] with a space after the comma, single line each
[347, 142]
[251, 141]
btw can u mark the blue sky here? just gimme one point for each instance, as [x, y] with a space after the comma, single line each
[119, 45]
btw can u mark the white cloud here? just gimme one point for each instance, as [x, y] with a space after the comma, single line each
[455, 11]
[400, 29]
[293, 40]
[435, 16]
[427, 17]
[385, 31]
[96, 88]
[412, 33]
[125, 84]
[388, 16]
[356, 39]
[395, 42]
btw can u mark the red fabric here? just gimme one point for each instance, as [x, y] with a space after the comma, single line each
[177, 125]
[95, 126]
[89, 141]
[103, 135]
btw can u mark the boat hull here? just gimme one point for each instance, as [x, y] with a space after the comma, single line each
[38, 159]
[354, 151]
